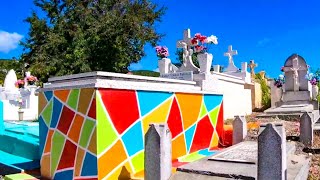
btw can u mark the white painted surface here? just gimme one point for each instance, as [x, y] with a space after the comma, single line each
[29, 107]
[237, 100]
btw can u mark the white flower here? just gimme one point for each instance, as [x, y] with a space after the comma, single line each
[212, 39]
[281, 76]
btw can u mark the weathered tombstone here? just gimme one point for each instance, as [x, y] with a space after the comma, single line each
[295, 69]
[239, 129]
[10, 80]
[278, 126]
[306, 129]
[157, 160]
[272, 163]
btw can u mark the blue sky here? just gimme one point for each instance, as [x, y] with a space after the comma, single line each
[267, 31]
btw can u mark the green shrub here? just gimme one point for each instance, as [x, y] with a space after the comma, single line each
[266, 97]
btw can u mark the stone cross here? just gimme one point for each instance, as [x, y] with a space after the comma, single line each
[157, 160]
[252, 65]
[186, 44]
[295, 67]
[230, 53]
[272, 158]
[306, 129]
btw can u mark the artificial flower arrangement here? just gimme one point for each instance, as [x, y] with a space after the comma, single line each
[199, 42]
[279, 81]
[19, 83]
[31, 80]
[313, 78]
[162, 52]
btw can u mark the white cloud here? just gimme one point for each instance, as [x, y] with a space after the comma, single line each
[9, 41]
[263, 42]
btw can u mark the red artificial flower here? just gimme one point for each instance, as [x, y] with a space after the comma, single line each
[198, 35]
[202, 39]
[194, 41]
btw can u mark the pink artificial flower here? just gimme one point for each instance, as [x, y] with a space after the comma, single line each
[199, 48]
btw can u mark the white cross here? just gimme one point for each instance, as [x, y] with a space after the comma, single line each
[186, 39]
[230, 53]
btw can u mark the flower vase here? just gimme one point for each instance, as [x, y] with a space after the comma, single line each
[315, 91]
[164, 64]
[21, 85]
[20, 114]
[280, 93]
[205, 61]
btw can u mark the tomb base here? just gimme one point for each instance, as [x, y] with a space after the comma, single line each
[222, 165]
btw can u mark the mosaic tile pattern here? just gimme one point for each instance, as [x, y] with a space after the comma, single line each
[85, 129]
[124, 116]
[68, 134]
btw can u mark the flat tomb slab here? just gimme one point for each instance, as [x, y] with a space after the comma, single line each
[244, 152]
[243, 156]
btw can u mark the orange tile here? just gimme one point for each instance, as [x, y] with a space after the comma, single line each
[62, 94]
[79, 161]
[111, 159]
[93, 142]
[85, 99]
[190, 105]
[75, 130]
[48, 141]
[122, 172]
[42, 102]
[178, 147]
[45, 166]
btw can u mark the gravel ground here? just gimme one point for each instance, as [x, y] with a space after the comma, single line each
[292, 132]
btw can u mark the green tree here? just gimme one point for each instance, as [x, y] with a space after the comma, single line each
[89, 35]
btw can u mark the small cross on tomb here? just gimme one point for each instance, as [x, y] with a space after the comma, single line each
[252, 65]
[230, 53]
[186, 40]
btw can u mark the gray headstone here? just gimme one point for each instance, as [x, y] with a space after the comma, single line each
[278, 126]
[306, 129]
[239, 129]
[271, 155]
[157, 162]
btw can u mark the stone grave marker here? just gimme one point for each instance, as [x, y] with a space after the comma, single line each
[239, 129]
[186, 44]
[306, 129]
[157, 161]
[272, 163]
[187, 75]
[230, 53]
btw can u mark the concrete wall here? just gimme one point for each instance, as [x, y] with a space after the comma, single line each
[237, 99]
[99, 132]
[256, 95]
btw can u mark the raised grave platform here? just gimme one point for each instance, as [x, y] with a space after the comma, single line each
[243, 156]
